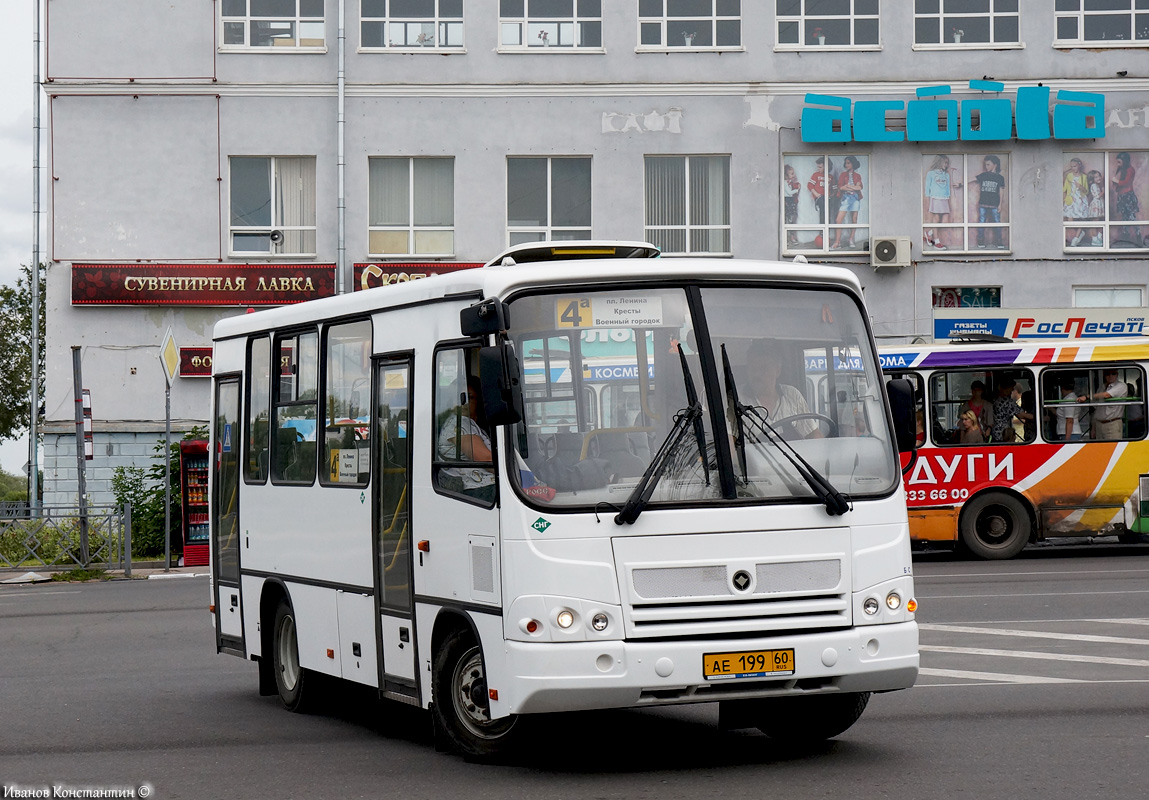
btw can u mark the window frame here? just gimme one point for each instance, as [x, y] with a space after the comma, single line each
[826, 229]
[527, 24]
[664, 20]
[438, 21]
[805, 20]
[1105, 223]
[325, 361]
[992, 15]
[411, 228]
[1080, 15]
[274, 225]
[277, 403]
[249, 392]
[1094, 376]
[1140, 289]
[968, 227]
[437, 463]
[959, 294]
[688, 228]
[1020, 372]
[247, 20]
[548, 231]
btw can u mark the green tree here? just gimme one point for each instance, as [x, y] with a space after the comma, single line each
[13, 488]
[16, 354]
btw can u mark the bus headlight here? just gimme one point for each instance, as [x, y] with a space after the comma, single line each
[893, 601]
[599, 622]
[870, 606]
[565, 618]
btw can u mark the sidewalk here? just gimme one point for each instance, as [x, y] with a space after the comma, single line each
[141, 570]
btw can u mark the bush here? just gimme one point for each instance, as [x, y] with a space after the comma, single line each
[133, 485]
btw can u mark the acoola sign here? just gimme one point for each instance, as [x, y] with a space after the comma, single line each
[936, 116]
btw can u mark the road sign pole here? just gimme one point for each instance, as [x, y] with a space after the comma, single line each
[170, 360]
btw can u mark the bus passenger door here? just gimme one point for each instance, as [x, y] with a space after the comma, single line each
[225, 517]
[392, 522]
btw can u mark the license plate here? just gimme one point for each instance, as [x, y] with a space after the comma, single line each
[750, 664]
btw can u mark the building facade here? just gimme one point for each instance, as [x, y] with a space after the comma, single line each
[207, 158]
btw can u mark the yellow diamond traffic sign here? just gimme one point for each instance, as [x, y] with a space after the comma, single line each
[170, 356]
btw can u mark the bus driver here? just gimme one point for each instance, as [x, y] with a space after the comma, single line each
[462, 438]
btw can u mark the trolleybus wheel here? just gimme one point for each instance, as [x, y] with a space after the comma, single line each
[811, 718]
[462, 707]
[290, 678]
[995, 526]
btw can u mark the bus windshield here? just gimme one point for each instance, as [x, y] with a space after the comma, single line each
[602, 373]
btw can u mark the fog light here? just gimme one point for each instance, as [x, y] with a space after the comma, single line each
[565, 618]
[893, 601]
[870, 606]
[599, 622]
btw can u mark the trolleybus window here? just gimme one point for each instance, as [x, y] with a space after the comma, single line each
[258, 411]
[1002, 400]
[293, 454]
[347, 416]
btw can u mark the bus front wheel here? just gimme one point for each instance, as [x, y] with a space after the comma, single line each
[995, 526]
[812, 718]
[461, 705]
[290, 677]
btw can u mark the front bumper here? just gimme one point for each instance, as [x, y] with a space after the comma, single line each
[571, 676]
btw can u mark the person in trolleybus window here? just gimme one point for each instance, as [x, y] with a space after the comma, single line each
[1108, 418]
[462, 438]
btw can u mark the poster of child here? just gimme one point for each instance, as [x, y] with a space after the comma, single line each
[1075, 202]
[989, 202]
[1129, 198]
[942, 204]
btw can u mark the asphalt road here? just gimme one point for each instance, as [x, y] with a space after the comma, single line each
[1035, 683]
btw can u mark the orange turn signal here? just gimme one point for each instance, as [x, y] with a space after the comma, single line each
[211, 608]
[330, 653]
[912, 606]
[424, 546]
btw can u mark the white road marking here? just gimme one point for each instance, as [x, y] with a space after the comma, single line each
[991, 676]
[1069, 637]
[1130, 621]
[1086, 572]
[38, 594]
[1023, 594]
[978, 651]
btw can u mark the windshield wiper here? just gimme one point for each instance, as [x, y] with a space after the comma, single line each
[835, 502]
[686, 419]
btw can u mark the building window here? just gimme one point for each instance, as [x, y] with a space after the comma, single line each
[827, 23]
[690, 24]
[542, 24]
[825, 202]
[965, 202]
[412, 206]
[411, 24]
[1108, 297]
[277, 24]
[1121, 23]
[688, 204]
[1105, 200]
[272, 205]
[548, 199]
[965, 22]
[967, 297]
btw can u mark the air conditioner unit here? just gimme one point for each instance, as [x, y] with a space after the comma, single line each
[890, 251]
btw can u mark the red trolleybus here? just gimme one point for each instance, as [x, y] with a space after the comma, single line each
[1052, 444]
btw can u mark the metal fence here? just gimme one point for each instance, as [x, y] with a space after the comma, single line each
[64, 537]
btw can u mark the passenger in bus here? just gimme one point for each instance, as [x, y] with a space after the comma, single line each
[979, 406]
[780, 400]
[1135, 414]
[462, 438]
[1108, 418]
[1070, 419]
[1005, 408]
[968, 428]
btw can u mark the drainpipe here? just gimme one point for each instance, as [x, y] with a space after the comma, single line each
[341, 250]
[33, 448]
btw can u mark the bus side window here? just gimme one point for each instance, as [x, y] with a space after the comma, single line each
[463, 461]
[295, 410]
[256, 464]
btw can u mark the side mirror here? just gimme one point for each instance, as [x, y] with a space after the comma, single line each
[484, 318]
[901, 394]
[502, 391]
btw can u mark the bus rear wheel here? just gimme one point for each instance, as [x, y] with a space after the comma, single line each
[995, 526]
[462, 707]
[290, 678]
[811, 718]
